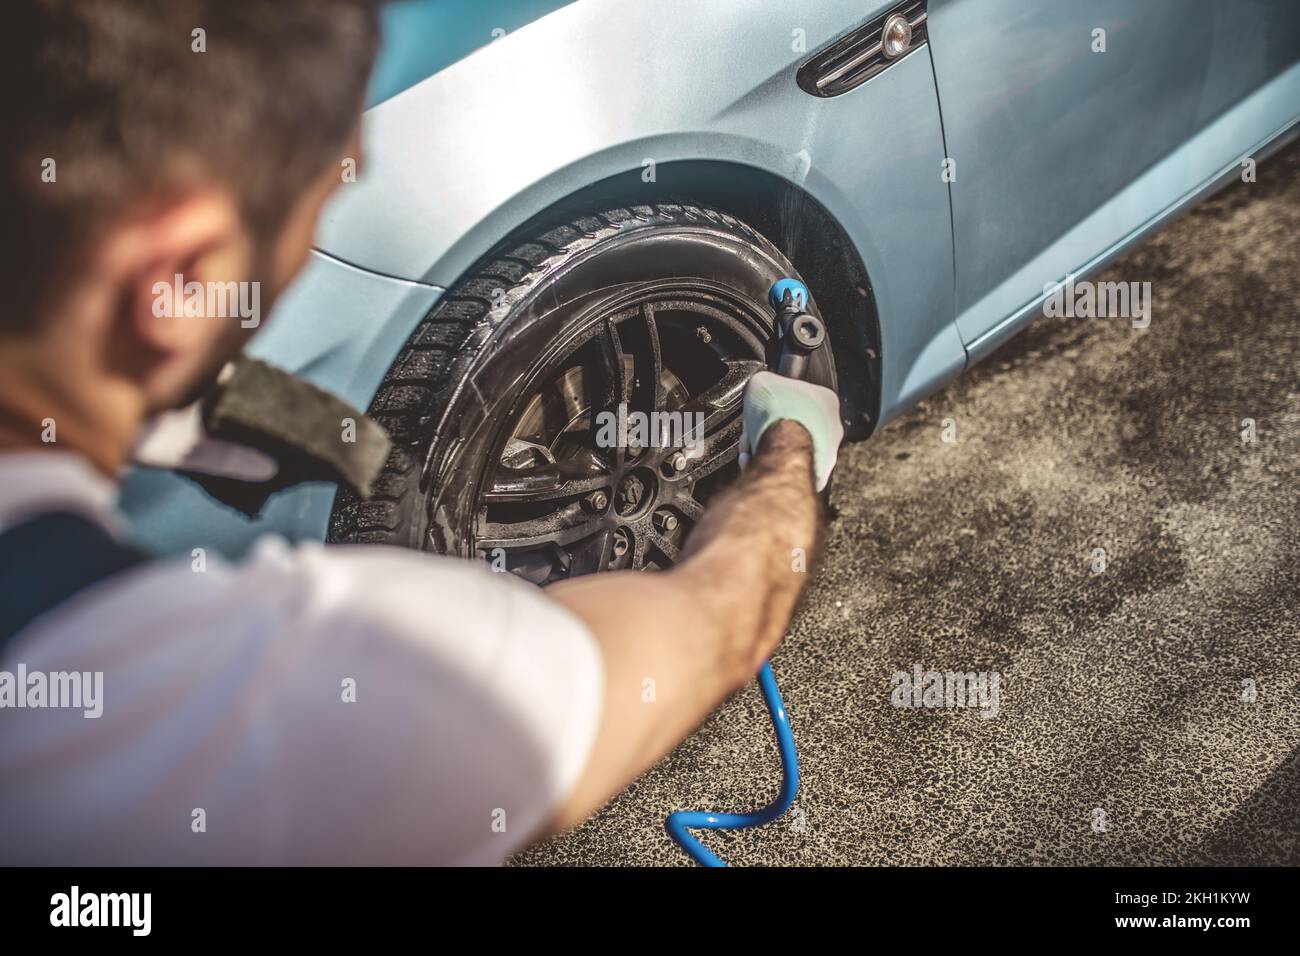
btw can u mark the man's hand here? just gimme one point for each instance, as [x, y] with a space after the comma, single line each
[770, 398]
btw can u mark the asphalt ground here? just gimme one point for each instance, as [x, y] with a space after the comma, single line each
[1149, 702]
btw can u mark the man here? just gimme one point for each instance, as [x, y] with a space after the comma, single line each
[351, 705]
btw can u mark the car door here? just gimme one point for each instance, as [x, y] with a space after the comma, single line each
[1050, 108]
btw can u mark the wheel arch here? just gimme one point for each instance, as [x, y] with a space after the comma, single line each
[788, 215]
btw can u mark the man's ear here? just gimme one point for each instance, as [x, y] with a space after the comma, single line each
[199, 238]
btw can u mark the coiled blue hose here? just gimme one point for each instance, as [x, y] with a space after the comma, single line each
[679, 822]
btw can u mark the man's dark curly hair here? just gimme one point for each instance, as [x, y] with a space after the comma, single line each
[136, 101]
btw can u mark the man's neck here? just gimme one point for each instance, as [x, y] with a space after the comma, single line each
[101, 428]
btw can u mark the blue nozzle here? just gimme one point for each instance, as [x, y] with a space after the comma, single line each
[798, 293]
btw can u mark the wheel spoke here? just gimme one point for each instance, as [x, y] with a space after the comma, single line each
[634, 334]
[654, 352]
[689, 507]
[616, 387]
[615, 364]
[640, 547]
[722, 400]
[542, 484]
[720, 448]
[534, 533]
[665, 547]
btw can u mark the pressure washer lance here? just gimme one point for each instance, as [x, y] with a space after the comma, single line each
[800, 334]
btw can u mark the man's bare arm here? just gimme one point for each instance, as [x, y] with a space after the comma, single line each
[701, 630]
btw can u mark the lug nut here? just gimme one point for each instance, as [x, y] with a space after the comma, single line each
[621, 543]
[677, 462]
[597, 501]
[665, 521]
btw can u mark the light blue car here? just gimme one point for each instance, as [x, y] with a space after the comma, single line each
[568, 206]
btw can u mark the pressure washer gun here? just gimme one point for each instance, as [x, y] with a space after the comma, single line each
[799, 333]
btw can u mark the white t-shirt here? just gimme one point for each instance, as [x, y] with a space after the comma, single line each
[358, 704]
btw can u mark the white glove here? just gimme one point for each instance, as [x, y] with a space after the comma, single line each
[771, 398]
